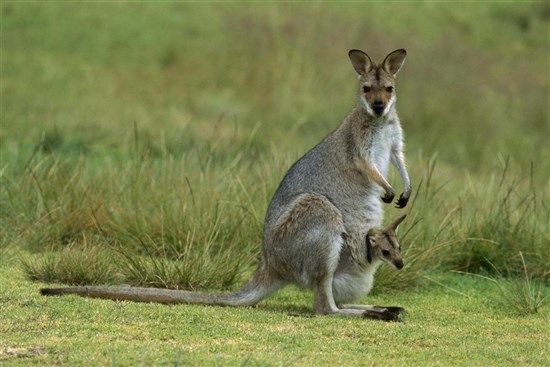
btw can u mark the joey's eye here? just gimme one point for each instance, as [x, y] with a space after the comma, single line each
[389, 89]
[385, 252]
[366, 89]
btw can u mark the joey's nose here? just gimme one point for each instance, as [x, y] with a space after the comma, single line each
[378, 107]
[399, 264]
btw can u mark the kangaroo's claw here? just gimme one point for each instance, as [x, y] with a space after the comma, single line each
[388, 197]
[401, 202]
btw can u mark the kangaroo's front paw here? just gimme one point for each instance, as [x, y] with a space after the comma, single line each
[402, 201]
[388, 197]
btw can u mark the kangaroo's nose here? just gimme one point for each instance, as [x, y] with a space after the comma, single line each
[378, 107]
[399, 265]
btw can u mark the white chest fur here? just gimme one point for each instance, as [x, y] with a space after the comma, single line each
[379, 149]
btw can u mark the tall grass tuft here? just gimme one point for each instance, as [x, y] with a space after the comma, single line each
[504, 219]
[522, 295]
[75, 264]
[186, 223]
[472, 227]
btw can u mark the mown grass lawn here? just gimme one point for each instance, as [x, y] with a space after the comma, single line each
[460, 323]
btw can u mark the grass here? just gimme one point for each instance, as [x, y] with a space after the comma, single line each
[141, 144]
[80, 265]
[452, 325]
[524, 295]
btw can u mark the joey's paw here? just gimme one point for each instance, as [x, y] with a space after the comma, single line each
[401, 202]
[388, 197]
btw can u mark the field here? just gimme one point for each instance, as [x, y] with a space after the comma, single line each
[140, 143]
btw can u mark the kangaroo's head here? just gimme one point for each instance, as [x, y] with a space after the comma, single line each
[383, 245]
[377, 81]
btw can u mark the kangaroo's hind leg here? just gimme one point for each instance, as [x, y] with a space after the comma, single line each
[307, 241]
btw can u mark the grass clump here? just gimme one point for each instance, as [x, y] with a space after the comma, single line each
[516, 220]
[178, 223]
[523, 295]
[74, 264]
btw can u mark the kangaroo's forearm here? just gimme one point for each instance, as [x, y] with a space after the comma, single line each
[398, 160]
[370, 170]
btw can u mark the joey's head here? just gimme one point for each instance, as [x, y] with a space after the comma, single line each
[376, 93]
[383, 245]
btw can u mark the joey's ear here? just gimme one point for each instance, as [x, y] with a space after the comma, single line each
[370, 242]
[361, 61]
[393, 62]
[369, 249]
[393, 226]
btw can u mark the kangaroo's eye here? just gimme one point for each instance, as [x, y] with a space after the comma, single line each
[385, 252]
[366, 89]
[389, 89]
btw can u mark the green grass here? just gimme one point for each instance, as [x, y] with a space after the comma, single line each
[524, 295]
[459, 323]
[141, 143]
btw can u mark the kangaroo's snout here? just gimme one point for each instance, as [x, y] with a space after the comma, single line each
[378, 107]
[399, 264]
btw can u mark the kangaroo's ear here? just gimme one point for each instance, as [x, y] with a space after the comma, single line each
[361, 61]
[393, 62]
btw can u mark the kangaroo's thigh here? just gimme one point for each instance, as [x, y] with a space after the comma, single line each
[307, 238]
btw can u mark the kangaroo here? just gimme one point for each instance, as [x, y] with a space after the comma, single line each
[322, 226]
[352, 277]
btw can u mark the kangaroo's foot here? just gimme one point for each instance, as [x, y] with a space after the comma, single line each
[385, 313]
[390, 313]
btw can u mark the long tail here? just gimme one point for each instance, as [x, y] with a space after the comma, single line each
[257, 288]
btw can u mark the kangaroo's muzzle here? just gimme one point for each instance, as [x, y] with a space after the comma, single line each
[378, 107]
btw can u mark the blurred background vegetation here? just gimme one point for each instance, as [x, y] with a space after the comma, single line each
[141, 142]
